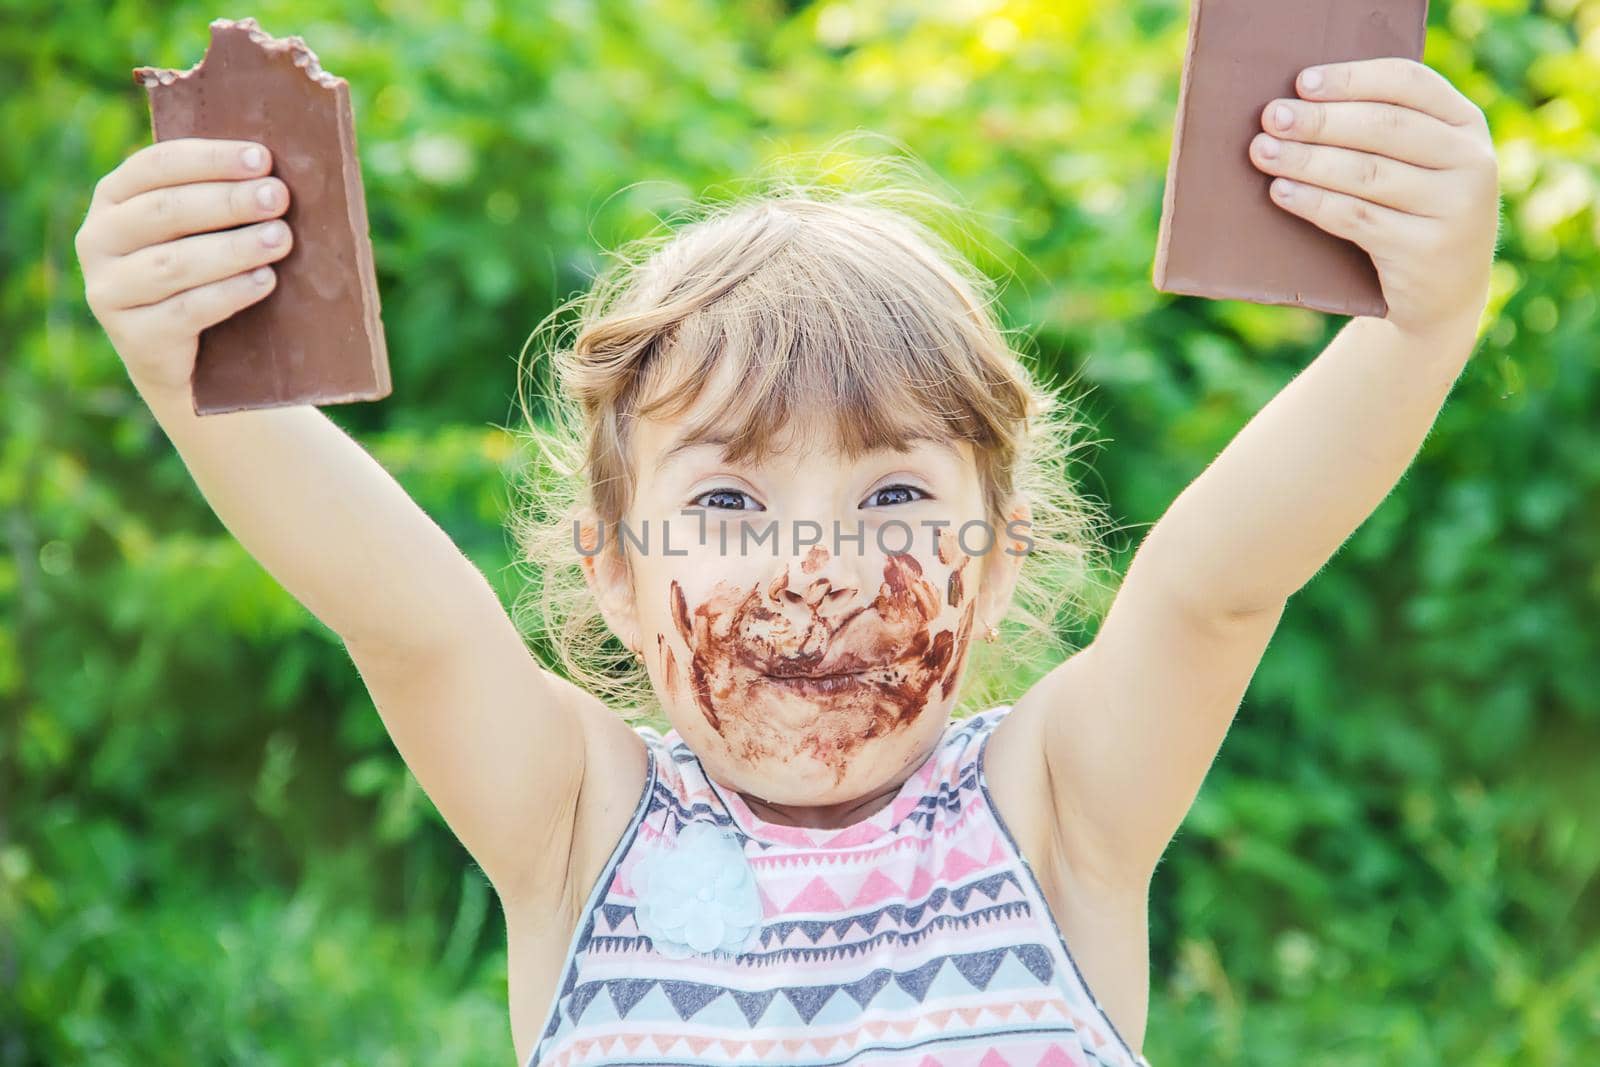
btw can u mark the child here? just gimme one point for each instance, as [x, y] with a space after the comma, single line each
[811, 475]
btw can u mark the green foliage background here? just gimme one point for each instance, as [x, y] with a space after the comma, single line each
[210, 852]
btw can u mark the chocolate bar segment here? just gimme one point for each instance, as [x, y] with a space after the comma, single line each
[317, 338]
[1222, 235]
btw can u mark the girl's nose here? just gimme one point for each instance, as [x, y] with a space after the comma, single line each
[793, 587]
[823, 591]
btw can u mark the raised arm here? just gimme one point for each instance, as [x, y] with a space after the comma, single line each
[327, 522]
[1132, 723]
[1393, 158]
[1300, 477]
[496, 742]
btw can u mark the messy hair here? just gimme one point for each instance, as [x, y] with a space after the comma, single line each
[827, 295]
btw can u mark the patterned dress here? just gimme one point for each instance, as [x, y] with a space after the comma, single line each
[918, 936]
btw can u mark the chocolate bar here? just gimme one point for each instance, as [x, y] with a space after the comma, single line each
[1221, 233]
[317, 338]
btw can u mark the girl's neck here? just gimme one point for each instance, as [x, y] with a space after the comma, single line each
[826, 816]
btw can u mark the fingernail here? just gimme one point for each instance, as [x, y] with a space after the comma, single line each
[273, 233]
[1282, 116]
[1268, 146]
[1311, 78]
[265, 195]
[1283, 188]
[252, 157]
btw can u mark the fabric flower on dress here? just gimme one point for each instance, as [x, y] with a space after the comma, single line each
[698, 896]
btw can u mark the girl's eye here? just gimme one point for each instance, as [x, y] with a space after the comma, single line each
[726, 495]
[896, 494]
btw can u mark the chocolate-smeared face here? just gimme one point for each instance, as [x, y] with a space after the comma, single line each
[814, 669]
[802, 670]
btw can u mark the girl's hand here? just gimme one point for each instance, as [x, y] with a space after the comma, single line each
[153, 274]
[1388, 154]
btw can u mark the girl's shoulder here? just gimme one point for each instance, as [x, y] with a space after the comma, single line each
[678, 777]
[965, 737]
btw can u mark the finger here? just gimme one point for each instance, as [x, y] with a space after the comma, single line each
[1385, 129]
[152, 274]
[1392, 183]
[185, 314]
[1372, 226]
[1394, 80]
[178, 161]
[173, 211]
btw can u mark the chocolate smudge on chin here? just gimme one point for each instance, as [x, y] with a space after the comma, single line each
[739, 640]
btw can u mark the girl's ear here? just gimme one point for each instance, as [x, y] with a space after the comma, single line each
[1011, 544]
[610, 579]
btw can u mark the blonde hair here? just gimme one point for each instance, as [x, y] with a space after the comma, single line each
[826, 296]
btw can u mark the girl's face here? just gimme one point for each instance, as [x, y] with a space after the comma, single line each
[804, 664]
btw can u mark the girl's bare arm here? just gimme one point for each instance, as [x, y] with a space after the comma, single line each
[1275, 505]
[1130, 726]
[497, 742]
[1385, 153]
[328, 522]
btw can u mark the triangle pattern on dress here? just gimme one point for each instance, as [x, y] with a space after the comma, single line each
[848, 957]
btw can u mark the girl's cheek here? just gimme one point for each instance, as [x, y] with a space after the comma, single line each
[960, 568]
[668, 665]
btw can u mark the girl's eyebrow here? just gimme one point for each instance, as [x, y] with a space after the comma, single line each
[684, 444]
[942, 441]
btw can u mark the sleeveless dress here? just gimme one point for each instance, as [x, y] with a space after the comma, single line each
[918, 936]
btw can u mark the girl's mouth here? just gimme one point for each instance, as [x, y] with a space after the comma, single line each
[818, 684]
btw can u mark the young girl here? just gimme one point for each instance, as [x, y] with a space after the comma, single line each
[811, 471]
[811, 480]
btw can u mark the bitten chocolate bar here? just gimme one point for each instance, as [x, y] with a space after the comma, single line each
[317, 338]
[1221, 234]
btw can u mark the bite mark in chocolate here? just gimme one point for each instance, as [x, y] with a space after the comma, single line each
[317, 338]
